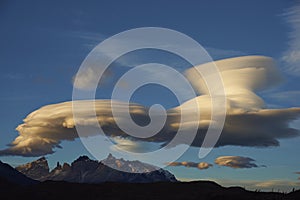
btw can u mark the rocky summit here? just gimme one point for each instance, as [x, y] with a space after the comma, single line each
[37, 170]
[85, 170]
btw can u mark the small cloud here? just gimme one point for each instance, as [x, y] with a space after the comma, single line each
[298, 173]
[129, 145]
[201, 165]
[91, 39]
[235, 162]
[13, 76]
[87, 78]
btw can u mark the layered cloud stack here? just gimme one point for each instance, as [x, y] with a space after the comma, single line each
[248, 121]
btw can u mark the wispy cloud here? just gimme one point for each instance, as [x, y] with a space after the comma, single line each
[88, 75]
[13, 76]
[217, 53]
[89, 39]
[291, 57]
[291, 97]
[92, 39]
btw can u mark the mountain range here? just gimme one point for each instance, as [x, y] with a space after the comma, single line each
[73, 181]
[85, 170]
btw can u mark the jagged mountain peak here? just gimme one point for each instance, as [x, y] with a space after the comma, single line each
[35, 169]
[110, 156]
[66, 166]
[111, 169]
[82, 158]
[42, 159]
[134, 166]
[39, 162]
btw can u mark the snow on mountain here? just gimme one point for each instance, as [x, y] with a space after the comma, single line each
[85, 170]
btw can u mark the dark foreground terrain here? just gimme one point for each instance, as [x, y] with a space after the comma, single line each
[163, 190]
[74, 184]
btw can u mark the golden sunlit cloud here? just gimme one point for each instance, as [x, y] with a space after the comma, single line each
[201, 165]
[235, 162]
[248, 122]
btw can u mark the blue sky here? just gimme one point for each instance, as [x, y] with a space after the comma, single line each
[43, 44]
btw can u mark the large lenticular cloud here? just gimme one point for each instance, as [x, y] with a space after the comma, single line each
[45, 128]
[242, 77]
[248, 122]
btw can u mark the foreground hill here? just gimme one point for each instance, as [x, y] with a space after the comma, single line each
[204, 190]
[14, 185]
[7, 173]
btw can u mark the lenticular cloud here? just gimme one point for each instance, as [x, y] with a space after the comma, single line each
[236, 162]
[248, 121]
